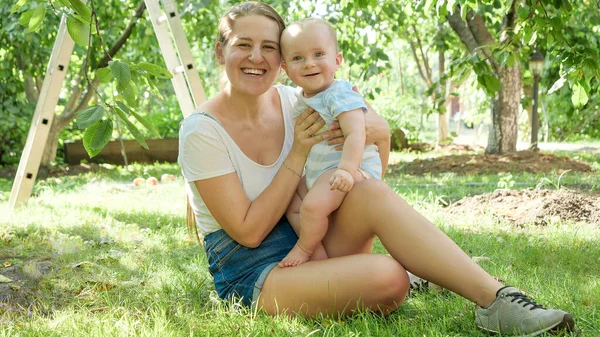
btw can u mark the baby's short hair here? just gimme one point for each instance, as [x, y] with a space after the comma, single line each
[308, 21]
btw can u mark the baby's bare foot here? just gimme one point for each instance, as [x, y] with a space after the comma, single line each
[295, 257]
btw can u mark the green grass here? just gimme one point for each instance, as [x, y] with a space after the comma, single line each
[100, 257]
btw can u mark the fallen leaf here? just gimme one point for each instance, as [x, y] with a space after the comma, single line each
[83, 264]
[7, 264]
[479, 259]
[4, 279]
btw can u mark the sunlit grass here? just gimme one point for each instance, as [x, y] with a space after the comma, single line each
[100, 257]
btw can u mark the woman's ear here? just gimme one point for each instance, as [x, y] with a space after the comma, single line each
[219, 53]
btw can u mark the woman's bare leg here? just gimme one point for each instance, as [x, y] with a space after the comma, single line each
[336, 286]
[373, 209]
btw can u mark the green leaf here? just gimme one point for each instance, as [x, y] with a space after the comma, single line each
[15, 8]
[104, 75]
[146, 124]
[580, 97]
[590, 67]
[523, 12]
[65, 3]
[362, 3]
[510, 60]
[79, 31]
[153, 87]
[129, 92]
[121, 72]
[135, 132]
[81, 11]
[90, 116]
[37, 18]
[153, 69]
[533, 38]
[123, 107]
[97, 136]
[492, 84]
[26, 17]
[527, 34]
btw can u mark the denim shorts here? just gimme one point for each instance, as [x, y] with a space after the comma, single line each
[238, 271]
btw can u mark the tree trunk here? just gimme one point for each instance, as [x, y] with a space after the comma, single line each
[442, 116]
[528, 92]
[442, 124]
[505, 105]
[505, 112]
[49, 154]
[58, 123]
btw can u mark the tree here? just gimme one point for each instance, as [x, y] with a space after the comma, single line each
[95, 74]
[503, 78]
[437, 86]
[500, 37]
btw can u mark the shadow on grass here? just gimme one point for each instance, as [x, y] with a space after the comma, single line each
[159, 270]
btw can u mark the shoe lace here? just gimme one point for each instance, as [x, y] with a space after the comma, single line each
[419, 284]
[522, 298]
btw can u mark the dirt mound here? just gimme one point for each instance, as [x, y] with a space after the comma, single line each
[537, 206]
[521, 161]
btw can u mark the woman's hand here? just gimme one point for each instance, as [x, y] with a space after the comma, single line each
[305, 132]
[377, 129]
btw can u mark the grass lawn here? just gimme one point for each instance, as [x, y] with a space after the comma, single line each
[93, 255]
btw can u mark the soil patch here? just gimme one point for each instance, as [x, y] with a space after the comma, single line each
[537, 206]
[521, 161]
[10, 173]
[18, 293]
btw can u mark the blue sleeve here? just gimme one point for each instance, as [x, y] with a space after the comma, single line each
[341, 98]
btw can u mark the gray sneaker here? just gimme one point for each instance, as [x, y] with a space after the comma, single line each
[514, 313]
[418, 284]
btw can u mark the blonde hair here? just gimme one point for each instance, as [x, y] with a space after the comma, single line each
[308, 21]
[227, 21]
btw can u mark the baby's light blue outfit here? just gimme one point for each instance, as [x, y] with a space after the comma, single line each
[336, 99]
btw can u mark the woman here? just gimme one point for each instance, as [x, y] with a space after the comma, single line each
[242, 156]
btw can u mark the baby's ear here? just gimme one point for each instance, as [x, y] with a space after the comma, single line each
[283, 66]
[339, 59]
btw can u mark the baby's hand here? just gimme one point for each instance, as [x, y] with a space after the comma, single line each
[341, 180]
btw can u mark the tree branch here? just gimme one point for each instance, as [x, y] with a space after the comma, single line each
[72, 107]
[423, 55]
[482, 36]
[31, 92]
[124, 36]
[461, 29]
[418, 62]
[508, 23]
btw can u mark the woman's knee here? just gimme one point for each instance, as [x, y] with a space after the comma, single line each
[370, 193]
[391, 279]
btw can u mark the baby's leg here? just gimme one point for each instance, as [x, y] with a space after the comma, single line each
[316, 207]
[293, 216]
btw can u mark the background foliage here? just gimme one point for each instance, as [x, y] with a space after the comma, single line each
[375, 37]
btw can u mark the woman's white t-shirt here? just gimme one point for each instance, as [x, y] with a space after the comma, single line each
[206, 151]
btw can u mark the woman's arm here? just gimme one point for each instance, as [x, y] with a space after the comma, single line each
[378, 132]
[248, 222]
